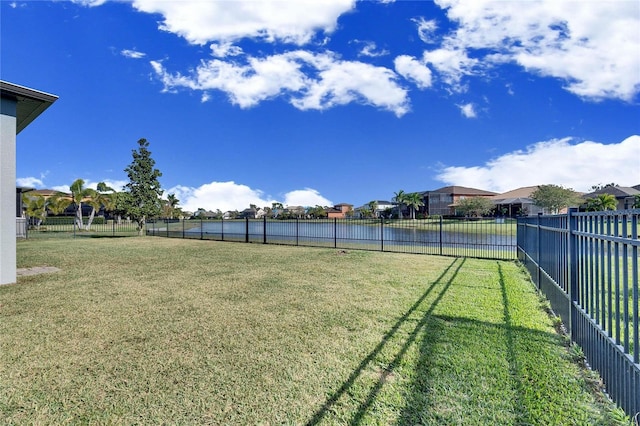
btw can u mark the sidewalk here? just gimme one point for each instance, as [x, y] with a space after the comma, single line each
[21, 272]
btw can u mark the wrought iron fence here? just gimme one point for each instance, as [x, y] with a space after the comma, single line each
[486, 238]
[587, 266]
[66, 227]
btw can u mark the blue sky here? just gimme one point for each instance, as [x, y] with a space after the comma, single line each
[311, 102]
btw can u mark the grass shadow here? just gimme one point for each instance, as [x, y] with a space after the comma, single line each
[421, 405]
[366, 404]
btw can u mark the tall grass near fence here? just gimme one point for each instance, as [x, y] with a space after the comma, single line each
[158, 331]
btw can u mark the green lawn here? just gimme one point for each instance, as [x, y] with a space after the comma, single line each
[170, 331]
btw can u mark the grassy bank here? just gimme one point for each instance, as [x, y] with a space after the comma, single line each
[151, 331]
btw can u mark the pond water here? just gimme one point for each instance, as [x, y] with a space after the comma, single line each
[343, 234]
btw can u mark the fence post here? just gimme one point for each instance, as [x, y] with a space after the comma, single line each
[113, 227]
[335, 232]
[167, 223]
[246, 229]
[182, 220]
[572, 263]
[538, 250]
[440, 232]
[382, 234]
[264, 229]
[297, 232]
[222, 229]
[201, 229]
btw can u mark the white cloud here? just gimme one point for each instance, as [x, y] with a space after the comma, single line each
[30, 182]
[342, 82]
[223, 49]
[218, 195]
[370, 50]
[328, 82]
[132, 53]
[413, 70]
[305, 197]
[593, 47]
[233, 196]
[426, 29]
[200, 22]
[90, 3]
[452, 63]
[558, 161]
[468, 110]
[61, 188]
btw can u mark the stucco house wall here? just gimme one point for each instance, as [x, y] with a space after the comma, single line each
[19, 106]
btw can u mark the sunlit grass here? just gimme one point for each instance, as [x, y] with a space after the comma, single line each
[153, 331]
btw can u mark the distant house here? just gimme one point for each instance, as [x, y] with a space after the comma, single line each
[339, 211]
[249, 213]
[443, 201]
[295, 211]
[625, 195]
[381, 208]
[517, 202]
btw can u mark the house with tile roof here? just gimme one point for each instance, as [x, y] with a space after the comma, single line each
[517, 202]
[443, 201]
[625, 195]
[339, 211]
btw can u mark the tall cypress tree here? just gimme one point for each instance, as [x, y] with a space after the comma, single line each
[143, 190]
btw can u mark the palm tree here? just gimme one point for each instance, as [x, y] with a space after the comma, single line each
[98, 198]
[400, 199]
[172, 203]
[78, 194]
[372, 207]
[414, 202]
[58, 203]
[602, 202]
[36, 207]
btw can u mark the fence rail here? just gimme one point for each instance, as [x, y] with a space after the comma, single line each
[587, 266]
[490, 239]
[66, 227]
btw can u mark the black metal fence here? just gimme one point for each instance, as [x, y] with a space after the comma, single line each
[491, 239]
[66, 227]
[587, 266]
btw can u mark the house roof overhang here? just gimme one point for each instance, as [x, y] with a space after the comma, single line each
[30, 103]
